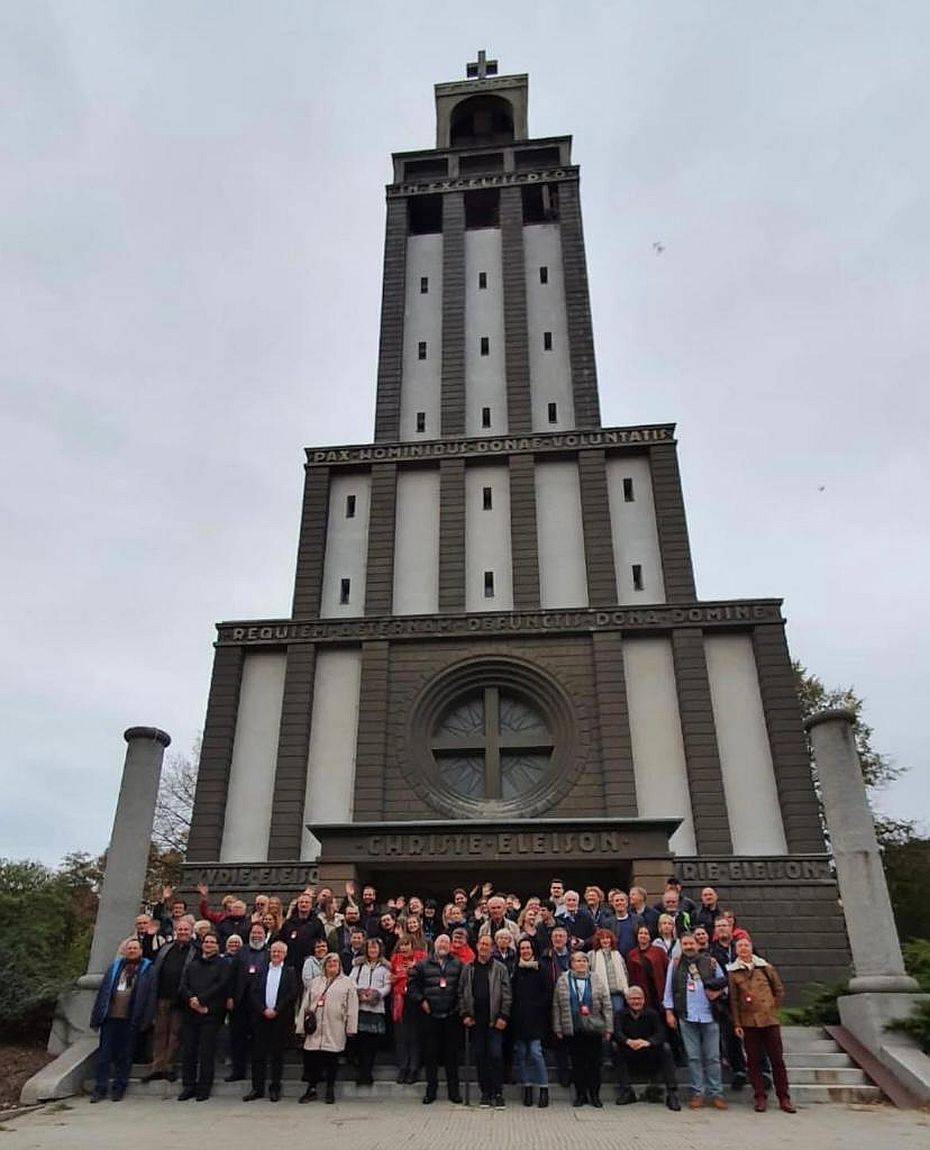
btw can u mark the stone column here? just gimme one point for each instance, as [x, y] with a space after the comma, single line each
[873, 937]
[128, 853]
[880, 988]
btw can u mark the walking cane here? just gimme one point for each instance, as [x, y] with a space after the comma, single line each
[468, 1066]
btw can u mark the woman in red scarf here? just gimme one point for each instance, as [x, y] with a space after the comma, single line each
[405, 1014]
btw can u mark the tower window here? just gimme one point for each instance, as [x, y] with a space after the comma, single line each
[485, 345]
[482, 280]
[424, 215]
[482, 208]
[421, 421]
[421, 349]
[486, 499]
[424, 285]
[628, 496]
[345, 586]
[489, 584]
[543, 274]
[553, 411]
[485, 417]
[350, 507]
[547, 341]
[637, 577]
[540, 203]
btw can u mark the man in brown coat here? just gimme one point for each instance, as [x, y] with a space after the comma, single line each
[756, 993]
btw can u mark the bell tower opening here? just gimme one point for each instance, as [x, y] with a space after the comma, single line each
[483, 119]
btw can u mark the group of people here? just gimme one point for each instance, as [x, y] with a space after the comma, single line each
[590, 977]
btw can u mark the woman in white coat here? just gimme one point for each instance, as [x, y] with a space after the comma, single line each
[331, 1001]
[372, 978]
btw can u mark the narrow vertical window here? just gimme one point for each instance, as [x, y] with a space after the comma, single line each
[553, 413]
[637, 577]
[489, 584]
[547, 341]
[350, 507]
[485, 417]
[485, 345]
[345, 586]
[543, 274]
[486, 498]
[421, 421]
[421, 349]
[628, 496]
[482, 281]
[424, 285]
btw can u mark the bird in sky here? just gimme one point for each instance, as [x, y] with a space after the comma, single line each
[658, 247]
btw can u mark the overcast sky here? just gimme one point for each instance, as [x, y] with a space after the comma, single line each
[191, 229]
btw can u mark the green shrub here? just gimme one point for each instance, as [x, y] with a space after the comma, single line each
[917, 961]
[819, 1006]
[917, 1025]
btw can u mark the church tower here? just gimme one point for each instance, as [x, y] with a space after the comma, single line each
[496, 665]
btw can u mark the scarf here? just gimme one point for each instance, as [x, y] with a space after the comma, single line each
[603, 959]
[530, 964]
[577, 1002]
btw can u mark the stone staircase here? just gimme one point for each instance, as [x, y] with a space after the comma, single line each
[818, 1071]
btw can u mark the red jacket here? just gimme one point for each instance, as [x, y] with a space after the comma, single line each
[400, 967]
[639, 973]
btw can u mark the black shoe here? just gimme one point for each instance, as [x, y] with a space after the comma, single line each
[596, 1100]
[187, 1095]
[401, 1079]
[117, 1095]
[330, 1095]
[527, 1095]
[565, 1080]
[543, 1097]
[455, 1099]
[625, 1097]
[499, 1103]
[252, 1095]
[428, 1098]
[274, 1093]
[153, 1077]
[171, 1076]
[485, 1102]
[97, 1096]
[234, 1078]
[309, 1095]
[671, 1100]
[580, 1098]
[738, 1082]
[201, 1097]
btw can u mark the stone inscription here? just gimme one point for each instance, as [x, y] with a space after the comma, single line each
[503, 844]
[505, 445]
[492, 180]
[753, 871]
[260, 877]
[548, 622]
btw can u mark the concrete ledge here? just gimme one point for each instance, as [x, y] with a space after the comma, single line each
[63, 1077]
[866, 1016]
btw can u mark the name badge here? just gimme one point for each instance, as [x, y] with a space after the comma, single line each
[442, 984]
[321, 1004]
[747, 998]
[692, 985]
[584, 1010]
[253, 968]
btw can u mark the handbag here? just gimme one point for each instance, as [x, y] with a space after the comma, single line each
[309, 1023]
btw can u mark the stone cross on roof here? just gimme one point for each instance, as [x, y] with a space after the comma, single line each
[481, 68]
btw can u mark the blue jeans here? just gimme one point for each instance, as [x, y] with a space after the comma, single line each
[117, 1038]
[702, 1046]
[530, 1063]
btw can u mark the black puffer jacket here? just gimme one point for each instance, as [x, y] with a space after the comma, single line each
[532, 1003]
[424, 984]
[208, 980]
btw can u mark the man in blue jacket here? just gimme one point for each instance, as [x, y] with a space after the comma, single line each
[122, 1008]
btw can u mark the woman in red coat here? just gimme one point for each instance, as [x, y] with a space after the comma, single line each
[646, 966]
[405, 1014]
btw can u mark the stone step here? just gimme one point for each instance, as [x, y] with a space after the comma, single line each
[836, 1059]
[810, 1046]
[292, 1088]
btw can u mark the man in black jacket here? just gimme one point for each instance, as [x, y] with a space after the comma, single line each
[641, 1046]
[433, 983]
[577, 920]
[168, 968]
[204, 990]
[251, 959]
[272, 994]
[300, 931]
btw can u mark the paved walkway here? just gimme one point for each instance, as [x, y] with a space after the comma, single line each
[144, 1124]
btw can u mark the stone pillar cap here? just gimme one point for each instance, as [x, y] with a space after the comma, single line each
[833, 715]
[155, 733]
